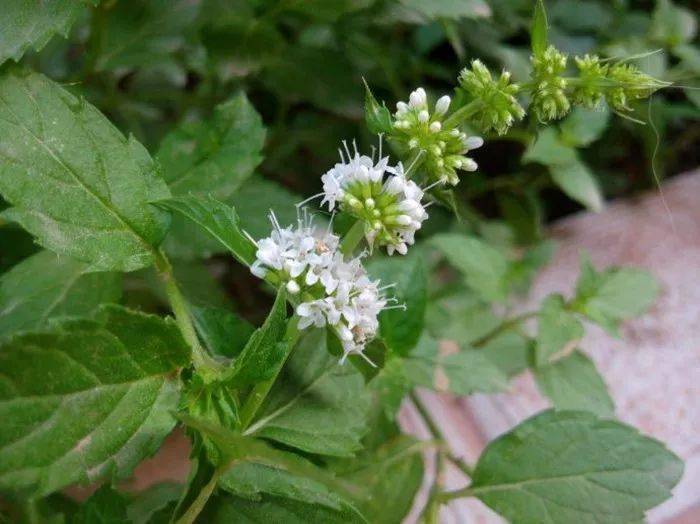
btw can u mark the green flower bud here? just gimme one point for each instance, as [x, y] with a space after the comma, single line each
[549, 100]
[499, 107]
[627, 83]
[588, 91]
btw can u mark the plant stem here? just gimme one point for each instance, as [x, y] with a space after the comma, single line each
[462, 114]
[446, 496]
[202, 361]
[198, 504]
[503, 326]
[352, 238]
[261, 389]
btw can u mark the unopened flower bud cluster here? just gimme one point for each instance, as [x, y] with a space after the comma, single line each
[549, 99]
[329, 289]
[443, 147]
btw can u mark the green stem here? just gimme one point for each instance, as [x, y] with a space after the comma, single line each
[462, 114]
[503, 326]
[446, 496]
[204, 363]
[261, 389]
[352, 238]
[198, 504]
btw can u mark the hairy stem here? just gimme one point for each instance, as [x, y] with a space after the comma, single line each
[202, 361]
[198, 504]
[261, 389]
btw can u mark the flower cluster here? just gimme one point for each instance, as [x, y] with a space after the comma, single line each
[443, 147]
[498, 107]
[331, 290]
[591, 75]
[389, 204]
[549, 100]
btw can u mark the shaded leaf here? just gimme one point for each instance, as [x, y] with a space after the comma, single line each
[87, 398]
[557, 327]
[75, 182]
[105, 506]
[584, 126]
[450, 8]
[224, 332]
[576, 180]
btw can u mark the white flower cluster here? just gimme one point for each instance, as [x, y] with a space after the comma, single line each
[379, 194]
[332, 291]
[445, 146]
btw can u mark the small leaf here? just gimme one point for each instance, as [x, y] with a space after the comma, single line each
[538, 33]
[87, 398]
[105, 506]
[223, 332]
[317, 404]
[573, 382]
[509, 352]
[584, 126]
[265, 352]
[217, 219]
[377, 117]
[548, 149]
[400, 329]
[46, 286]
[569, 466]
[484, 268]
[75, 182]
[576, 180]
[557, 327]
[27, 25]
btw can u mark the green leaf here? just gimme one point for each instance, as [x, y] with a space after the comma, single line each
[105, 506]
[462, 372]
[573, 382]
[548, 149]
[143, 33]
[146, 506]
[223, 332]
[460, 316]
[88, 398]
[452, 9]
[216, 218]
[26, 24]
[576, 180]
[614, 295]
[75, 182]
[484, 268]
[265, 351]
[46, 286]
[399, 328]
[569, 466]
[377, 117]
[509, 352]
[557, 328]
[538, 33]
[673, 25]
[214, 157]
[317, 404]
[523, 213]
[584, 126]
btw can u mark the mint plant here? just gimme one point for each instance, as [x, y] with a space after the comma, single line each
[114, 333]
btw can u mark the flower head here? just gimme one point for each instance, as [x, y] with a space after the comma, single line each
[549, 100]
[443, 146]
[390, 205]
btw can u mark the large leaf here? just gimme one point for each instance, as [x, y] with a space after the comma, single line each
[218, 220]
[485, 269]
[400, 328]
[317, 405]
[28, 24]
[87, 398]
[557, 327]
[46, 286]
[573, 382]
[75, 182]
[569, 466]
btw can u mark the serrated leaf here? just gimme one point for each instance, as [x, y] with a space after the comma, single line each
[87, 398]
[614, 295]
[577, 181]
[557, 327]
[484, 268]
[75, 182]
[26, 24]
[400, 329]
[142, 33]
[569, 466]
[266, 350]
[448, 368]
[538, 32]
[573, 382]
[105, 506]
[317, 404]
[46, 286]
[216, 218]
